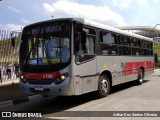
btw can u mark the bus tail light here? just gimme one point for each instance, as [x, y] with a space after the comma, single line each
[60, 78]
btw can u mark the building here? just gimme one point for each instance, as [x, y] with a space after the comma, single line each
[148, 31]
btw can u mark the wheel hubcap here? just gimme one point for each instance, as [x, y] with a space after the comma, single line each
[104, 85]
[140, 78]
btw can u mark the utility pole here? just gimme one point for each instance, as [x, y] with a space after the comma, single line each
[52, 16]
[155, 26]
[152, 31]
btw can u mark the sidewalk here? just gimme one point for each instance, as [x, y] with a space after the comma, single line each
[8, 82]
[10, 90]
[11, 94]
[156, 69]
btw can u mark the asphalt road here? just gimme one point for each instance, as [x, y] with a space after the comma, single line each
[125, 97]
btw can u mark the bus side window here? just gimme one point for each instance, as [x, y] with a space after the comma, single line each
[136, 45]
[124, 45]
[85, 44]
[145, 48]
[108, 43]
[77, 38]
[90, 44]
[77, 41]
[89, 41]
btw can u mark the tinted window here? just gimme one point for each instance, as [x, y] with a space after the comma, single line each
[84, 43]
[123, 40]
[108, 43]
[108, 38]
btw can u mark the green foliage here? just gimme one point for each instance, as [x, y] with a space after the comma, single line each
[157, 45]
[157, 48]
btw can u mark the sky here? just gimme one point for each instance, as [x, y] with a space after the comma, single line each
[15, 14]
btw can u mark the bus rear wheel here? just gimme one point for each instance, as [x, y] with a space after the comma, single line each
[140, 77]
[103, 86]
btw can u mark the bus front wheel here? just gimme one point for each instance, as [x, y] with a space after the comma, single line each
[103, 86]
[140, 77]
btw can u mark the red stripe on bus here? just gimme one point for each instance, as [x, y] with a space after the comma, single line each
[40, 76]
[133, 67]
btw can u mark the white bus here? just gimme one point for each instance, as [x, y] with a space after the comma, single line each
[74, 56]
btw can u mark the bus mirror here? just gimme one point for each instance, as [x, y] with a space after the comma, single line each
[79, 57]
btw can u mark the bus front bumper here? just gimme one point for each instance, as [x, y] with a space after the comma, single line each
[63, 89]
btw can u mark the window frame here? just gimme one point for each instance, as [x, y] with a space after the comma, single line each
[112, 49]
[82, 57]
[127, 45]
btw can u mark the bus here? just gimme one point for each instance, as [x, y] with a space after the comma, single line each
[74, 56]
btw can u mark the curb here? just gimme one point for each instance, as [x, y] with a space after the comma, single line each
[156, 70]
[22, 100]
[8, 82]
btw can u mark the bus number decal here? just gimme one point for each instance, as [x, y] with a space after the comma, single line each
[48, 76]
[105, 66]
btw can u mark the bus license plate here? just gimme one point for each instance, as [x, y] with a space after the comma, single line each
[39, 88]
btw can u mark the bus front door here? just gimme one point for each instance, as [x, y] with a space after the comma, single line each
[88, 75]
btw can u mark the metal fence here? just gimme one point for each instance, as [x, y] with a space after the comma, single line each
[8, 53]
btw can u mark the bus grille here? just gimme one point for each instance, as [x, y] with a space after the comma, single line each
[40, 82]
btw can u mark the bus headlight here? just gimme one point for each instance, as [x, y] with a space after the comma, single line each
[60, 78]
[22, 77]
[24, 80]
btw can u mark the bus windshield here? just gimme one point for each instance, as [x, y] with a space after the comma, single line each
[46, 44]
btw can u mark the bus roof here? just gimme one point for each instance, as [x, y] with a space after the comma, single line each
[109, 28]
[97, 25]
